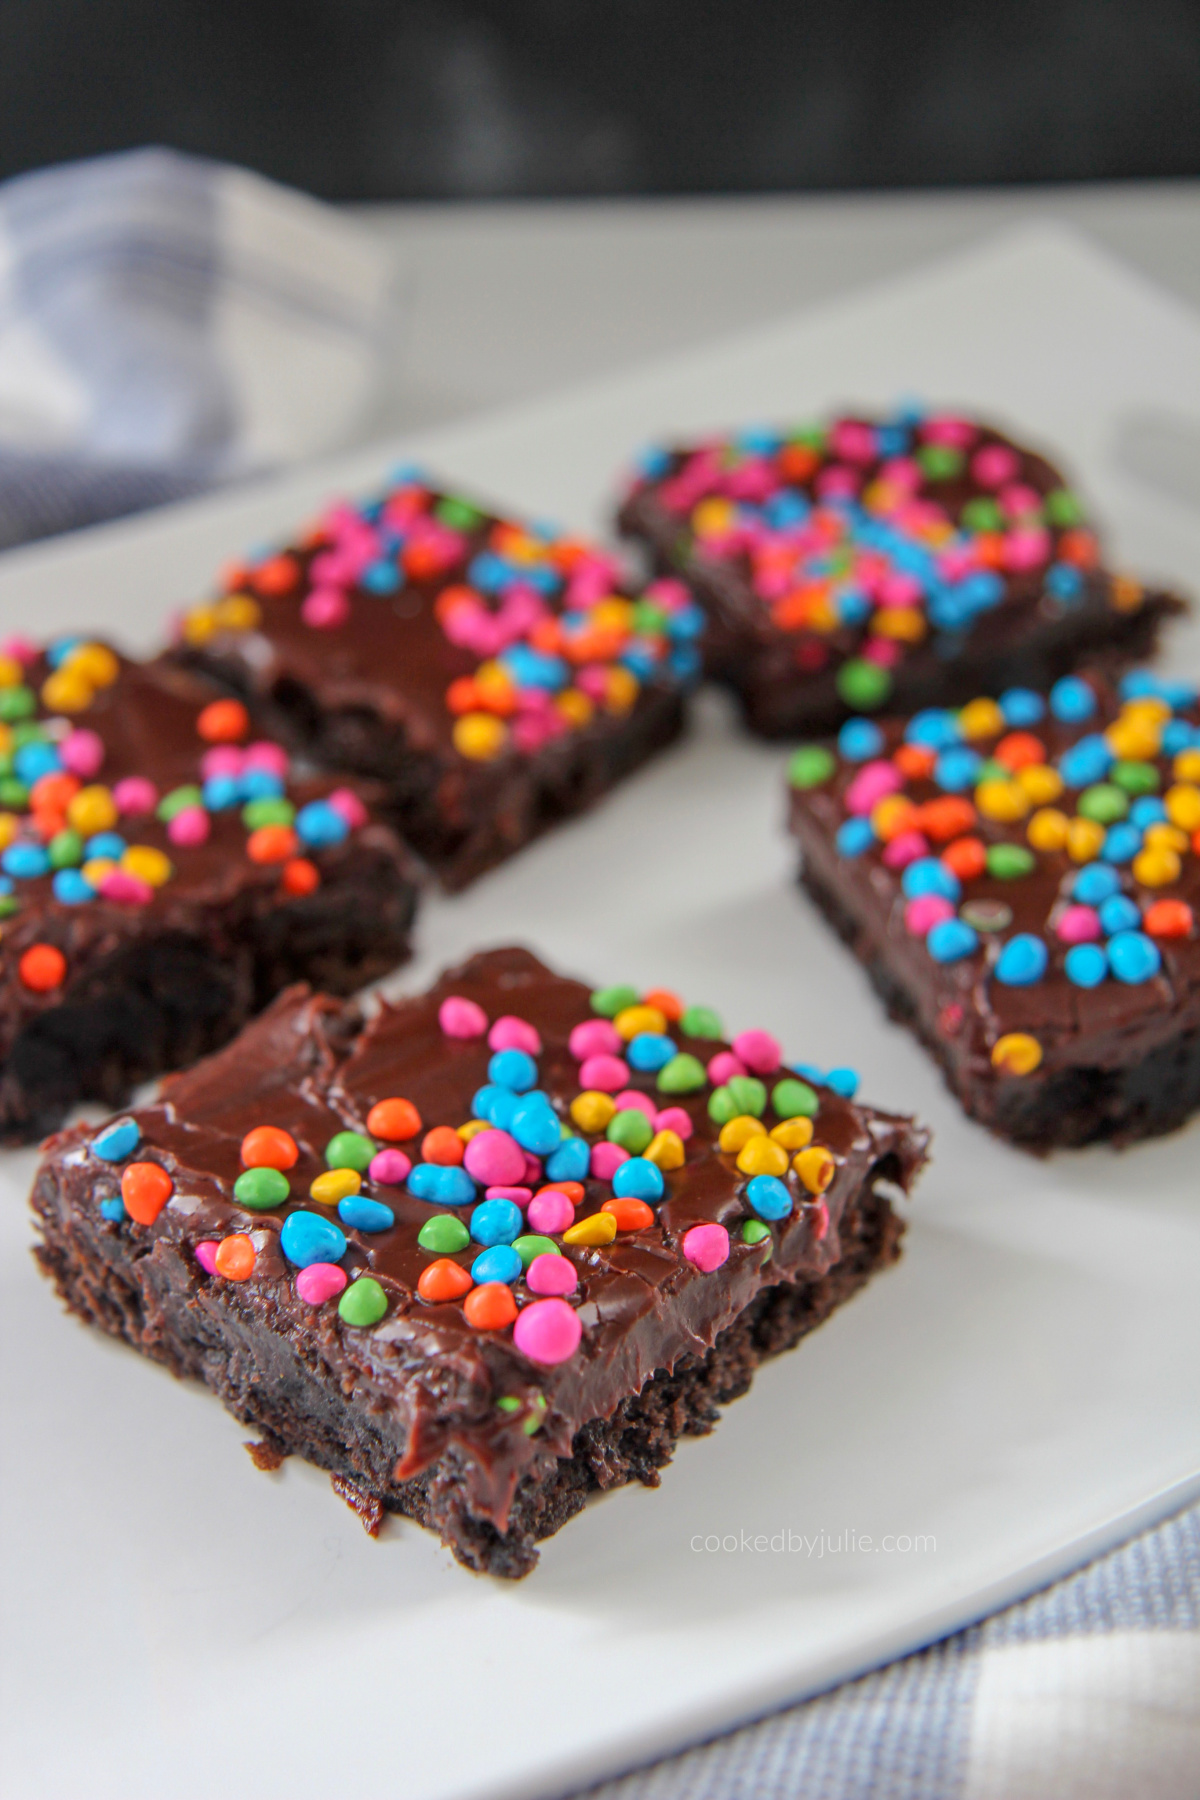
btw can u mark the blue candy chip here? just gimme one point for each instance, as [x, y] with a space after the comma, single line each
[497, 1222]
[535, 1126]
[928, 875]
[809, 1072]
[653, 463]
[1119, 913]
[108, 845]
[1095, 882]
[380, 578]
[637, 1179]
[854, 836]
[221, 792]
[71, 888]
[957, 769]
[117, 1141]
[1086, 965]
[768, 1196]
[649, 1050]
[114, 1211]
[1121, 842]
[361, 1214]
[25, 861]
[1065, 582]
[500, 1263]
[308, 1238]
[1072, 700]
[58, 651]
[32, 761]
[447, 1184]
[843, 1082]
[1022, 961]
[1133, 957]
[513, 1069]
[859, 740]
[570, 1162]
[260, 784]
[319, 825]
[935, 729]
[1087, 761]
[1021, 706]
[950, 940]
[1147, 810]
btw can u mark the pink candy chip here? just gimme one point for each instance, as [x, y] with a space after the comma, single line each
[551, 1273]
[606, 1073]
[389, 1167]
[607, 1159]
[926, 911]
[325, 609]
[758, 1050]
[904, 848]
[550, 1212]
[707, 1246]
[272, 758]
[461, 1018]
[320, 1282]
[533, 1170]
[994, 465]
[595, 1037]
[548, 1331]
[520, 1195]
[1079, 925]
[82, 752]
[631, 1101]
[493, 1157]
[126, 889]
[874, 782]
[724, 1066]
[511, 1033]
[135, 795]
[673, 1118]
[222, 759]
[347, 804]
[206, 1256]
[191, 825]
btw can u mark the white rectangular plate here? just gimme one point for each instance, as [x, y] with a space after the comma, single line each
[1019, 1393]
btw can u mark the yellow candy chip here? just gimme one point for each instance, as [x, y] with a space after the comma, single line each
[794, 1134]
[592, 1110]
[634, 1019]
[737, 1132]
[599, 1228]
[95, 663]
[1039, 782]
[472, 1128]
[9, 827]
[1156, 867]
[1016, 1053]
[712, 516]
[759, 1156]
[200, 624]
[621, 689]
[890, 816]
[148, 864]
[815, 1167]
[1126, 593]
[6, 738]
[613, 614]
[1183, 806]
[1085, 840]
[67, 692]
[92, 809]
[494, 681]
[666, 1149]
[904, 623]
[823, 615]
[11, 672]
[1134, 740]
[1003, 801]
[981, 719]
[1161, 836]
[96, 868]
[237, 612]
[1186, 766]
[479, 736]
[334, 1185]
[1048, 829]
[575, 707]
[1149, 707]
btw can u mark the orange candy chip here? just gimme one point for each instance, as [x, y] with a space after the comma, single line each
[145, 1188]
[442, 1145]
[395, 1121]
[631, 1215]
[268, 1147]
[966, 857]
[235, 1257]
[278, 575]
[490, 1307]
[43, 968]
[300, 877]
[223, 722]
[1169, 919]
[945, 818]
[668, 1004]
[574, 1190]
[272, 844]
[915, 761]
[445, 1280]
[1019, 750]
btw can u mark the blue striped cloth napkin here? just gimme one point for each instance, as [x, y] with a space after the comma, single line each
[1088, 1691]
[168, 323]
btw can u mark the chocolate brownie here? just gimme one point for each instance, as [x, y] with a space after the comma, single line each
[494, 675]
[162, 878]
[864, 565]
[1018, 878]
[492, 1251]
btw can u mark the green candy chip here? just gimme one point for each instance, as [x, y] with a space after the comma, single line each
[754, 1231]
[65, 850]
[940, 462]
[982, 515]
[17, 703]
[443, 1234]
[810, 765]
[794, 1100]
[260, 1189]
[701, 1022]
[460, 515]
[1063, 507]
[749, 1094]
[179, 800]
[863, 684]
[349, 1150]
[1008, 862]
[1136, 777]
[363, 1302]
[609, 1001]
[1103, 803]
[534, 1244]
[631, 1129]
[684, 1074]
[273, 811]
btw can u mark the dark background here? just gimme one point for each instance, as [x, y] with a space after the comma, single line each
[392, 99]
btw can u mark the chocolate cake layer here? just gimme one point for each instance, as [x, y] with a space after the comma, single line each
[163, 878]
[478, 1354]
[495, 676]
[897, 564]
[1021, 881]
